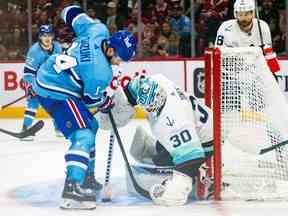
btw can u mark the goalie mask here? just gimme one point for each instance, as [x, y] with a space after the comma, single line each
[150, 95]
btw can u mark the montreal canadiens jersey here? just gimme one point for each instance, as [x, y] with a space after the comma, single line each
[84, 71]
[36, 56]
[230, 35]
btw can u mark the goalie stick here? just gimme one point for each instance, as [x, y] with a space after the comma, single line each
[268, 149]
[29, 132]
[137, 187]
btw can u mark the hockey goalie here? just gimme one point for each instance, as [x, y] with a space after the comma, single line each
[180, 139]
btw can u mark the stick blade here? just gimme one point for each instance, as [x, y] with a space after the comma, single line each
[29, 132]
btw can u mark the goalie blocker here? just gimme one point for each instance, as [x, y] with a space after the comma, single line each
[180, 141]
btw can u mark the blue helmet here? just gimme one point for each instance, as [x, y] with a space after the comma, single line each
[45, 29]
[124, 43]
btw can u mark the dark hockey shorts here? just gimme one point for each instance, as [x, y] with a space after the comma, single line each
[69, 115]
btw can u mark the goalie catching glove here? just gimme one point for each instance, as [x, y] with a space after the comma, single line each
[121, 110]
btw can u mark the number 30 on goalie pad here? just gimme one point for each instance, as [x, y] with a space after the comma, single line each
[122, 111]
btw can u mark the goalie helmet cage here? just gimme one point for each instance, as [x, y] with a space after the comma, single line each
[250, 113]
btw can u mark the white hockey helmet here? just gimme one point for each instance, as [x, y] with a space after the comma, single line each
[244, 6]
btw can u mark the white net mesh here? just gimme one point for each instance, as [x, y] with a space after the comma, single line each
[254, 115]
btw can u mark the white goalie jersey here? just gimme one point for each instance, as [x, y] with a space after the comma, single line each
[181, 124]
[182, 114]
[230, 35]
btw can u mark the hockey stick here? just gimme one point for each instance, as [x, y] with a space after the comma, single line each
[29, 132]
[268, 149]
[13, 102]
[259, 25]
[137, 187]
[107, 191]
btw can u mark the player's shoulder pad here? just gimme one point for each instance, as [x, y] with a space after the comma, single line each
[99, 30]
[70, 12]
[264, 25]
[34, 48]
[227, 26]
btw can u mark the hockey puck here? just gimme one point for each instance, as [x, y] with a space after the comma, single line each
[106, 200]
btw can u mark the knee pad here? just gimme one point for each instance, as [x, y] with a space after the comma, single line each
[94, 125]
[83, 139]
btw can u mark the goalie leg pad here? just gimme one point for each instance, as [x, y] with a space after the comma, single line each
[143, 146]
[173, 191]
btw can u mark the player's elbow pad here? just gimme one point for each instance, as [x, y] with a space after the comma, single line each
[271, 59]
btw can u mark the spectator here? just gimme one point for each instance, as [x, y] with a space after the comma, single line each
[161, 51]
[131, 22]
[147, 48]
[92, 13]
[271, 15]
[44, 19]
[113, 18]
[169, 39]
[160, 11]
[212, 14]
[65, 37]
[3, 50]
[179, 22]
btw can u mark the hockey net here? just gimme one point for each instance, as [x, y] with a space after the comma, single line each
[250, 114]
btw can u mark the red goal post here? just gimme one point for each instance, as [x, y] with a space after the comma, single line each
[250, 114]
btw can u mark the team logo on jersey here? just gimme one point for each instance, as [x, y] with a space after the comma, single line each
[170, 122]
[228, 28]
[127, 42]
[68, 124]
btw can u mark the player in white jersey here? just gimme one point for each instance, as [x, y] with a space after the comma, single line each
[181, 133]
[245, 30]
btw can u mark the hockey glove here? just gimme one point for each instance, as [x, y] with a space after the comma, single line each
[28, 89]
[271, 59]
[107, 105]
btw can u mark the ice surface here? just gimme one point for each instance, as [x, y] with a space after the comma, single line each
[32, 174]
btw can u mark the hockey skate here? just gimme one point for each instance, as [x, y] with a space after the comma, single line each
[29, 138]
[76, 197]
[91, 183]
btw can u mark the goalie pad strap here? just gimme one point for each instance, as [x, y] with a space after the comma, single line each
[163, 157]
[190, 168]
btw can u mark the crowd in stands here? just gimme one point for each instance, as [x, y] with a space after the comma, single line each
[166, 24]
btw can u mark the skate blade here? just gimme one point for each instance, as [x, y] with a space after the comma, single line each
[29, 138]
[74, 204]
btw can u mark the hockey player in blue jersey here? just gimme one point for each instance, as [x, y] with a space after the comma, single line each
[67, 85]
[37, 54]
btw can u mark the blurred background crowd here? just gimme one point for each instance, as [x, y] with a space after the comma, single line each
[164, 28]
